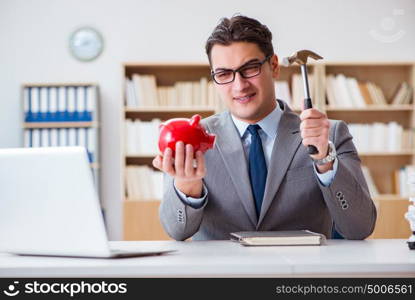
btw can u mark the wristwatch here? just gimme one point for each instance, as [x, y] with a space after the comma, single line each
[330, 156]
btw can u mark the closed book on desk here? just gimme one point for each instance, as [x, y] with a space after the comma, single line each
[278, 238]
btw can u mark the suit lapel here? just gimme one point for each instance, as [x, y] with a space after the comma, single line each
[230, 147]
[286, 144]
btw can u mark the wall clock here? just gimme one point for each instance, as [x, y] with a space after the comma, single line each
[86, 44]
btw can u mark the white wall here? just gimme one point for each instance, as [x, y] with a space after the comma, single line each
[34, 37]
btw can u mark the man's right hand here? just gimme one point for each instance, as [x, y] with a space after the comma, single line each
[187, 177]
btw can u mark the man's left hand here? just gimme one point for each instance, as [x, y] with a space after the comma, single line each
[314, 129]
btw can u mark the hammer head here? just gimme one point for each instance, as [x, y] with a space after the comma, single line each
[300, 57]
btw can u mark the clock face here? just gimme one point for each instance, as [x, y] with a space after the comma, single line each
[86, 44]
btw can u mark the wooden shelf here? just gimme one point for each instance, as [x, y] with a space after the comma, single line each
[139, 160]
[373, 108]
[141, 221]
[391, 222]
[165, 113]
[358, 116]
[60, 124]
[368, 63]
[169, 73]
[147, 159]
[158, 109]
[390, 197]
[167, 64]
[66, 84]
[398, 153]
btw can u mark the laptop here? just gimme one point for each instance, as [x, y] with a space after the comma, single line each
[49, 206]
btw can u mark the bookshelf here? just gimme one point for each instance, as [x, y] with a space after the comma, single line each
[382, 164]
[292, 75]
[141, 217]
[63, 114]
[59, 125]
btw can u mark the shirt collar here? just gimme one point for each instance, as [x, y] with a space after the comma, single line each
[269, 124]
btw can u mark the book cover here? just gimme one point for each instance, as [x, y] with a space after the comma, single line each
[365, 93]
[278, 238]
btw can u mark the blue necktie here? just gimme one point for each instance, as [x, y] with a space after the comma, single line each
[257, 167]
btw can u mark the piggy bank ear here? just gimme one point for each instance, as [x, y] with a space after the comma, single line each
[194, 121]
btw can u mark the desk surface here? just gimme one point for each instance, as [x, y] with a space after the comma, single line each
[342, 258]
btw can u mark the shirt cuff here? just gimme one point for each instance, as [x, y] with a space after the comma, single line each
[327, 178]
[193, 202]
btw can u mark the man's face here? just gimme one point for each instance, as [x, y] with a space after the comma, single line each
[248, 99]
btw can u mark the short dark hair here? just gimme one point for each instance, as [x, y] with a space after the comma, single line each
[240, 29]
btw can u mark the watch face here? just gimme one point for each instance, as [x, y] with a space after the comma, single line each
[86, 44]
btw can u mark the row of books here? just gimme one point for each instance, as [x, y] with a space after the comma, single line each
[60, 137]
[294, 97]
[381, 137]
[347, 92]
[341, 91]
[373, 190]
[282, 92]
[59, 103]
[143, 183]
[141, 137]
[142, 91]
[403, 94]
[404, 181]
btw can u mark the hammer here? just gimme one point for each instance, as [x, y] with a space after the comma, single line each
[300, 57]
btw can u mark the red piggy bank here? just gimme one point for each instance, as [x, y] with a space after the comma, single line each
[189, 131]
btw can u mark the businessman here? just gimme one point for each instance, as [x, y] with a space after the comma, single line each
[259, 176]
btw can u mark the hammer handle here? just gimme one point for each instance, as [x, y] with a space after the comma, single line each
[310, 148]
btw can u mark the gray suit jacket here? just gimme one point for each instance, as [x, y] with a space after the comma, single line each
[294, 197]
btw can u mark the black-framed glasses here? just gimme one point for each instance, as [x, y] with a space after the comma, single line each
[248, 70]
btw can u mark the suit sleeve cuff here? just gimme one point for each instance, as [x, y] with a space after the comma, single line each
[327, 178]
[193, 202]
